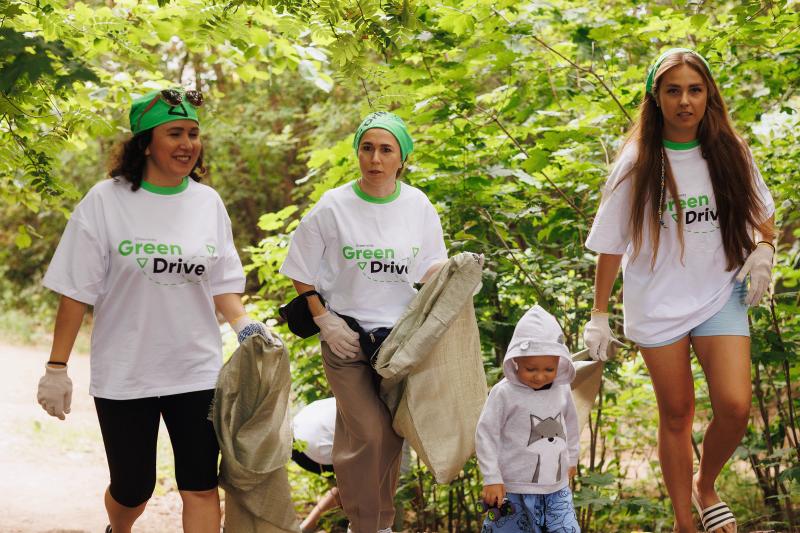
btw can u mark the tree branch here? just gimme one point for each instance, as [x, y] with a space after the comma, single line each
[590, 71]
[366, 92]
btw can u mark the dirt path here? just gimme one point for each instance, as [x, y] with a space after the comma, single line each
[53, 473]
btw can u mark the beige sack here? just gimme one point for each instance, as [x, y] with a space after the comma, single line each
[443, 400]
[434, 382]
[251, 419]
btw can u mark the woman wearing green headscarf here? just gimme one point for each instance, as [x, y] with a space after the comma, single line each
[151, 249]
[362, 248]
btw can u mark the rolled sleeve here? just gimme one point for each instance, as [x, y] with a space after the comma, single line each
[305, 251]
[767, 203]
[79, 265]
[610, 233]
[227, 276]
[433, 247]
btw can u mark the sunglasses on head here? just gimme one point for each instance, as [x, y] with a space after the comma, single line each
[172, 97]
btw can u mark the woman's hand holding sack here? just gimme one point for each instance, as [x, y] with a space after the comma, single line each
[246, 327]
[597, 336]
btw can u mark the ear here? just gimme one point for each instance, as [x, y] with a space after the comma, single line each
[535, 419]
[557, 417]
[147, 151]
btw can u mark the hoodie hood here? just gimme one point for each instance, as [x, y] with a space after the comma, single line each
[538, 333]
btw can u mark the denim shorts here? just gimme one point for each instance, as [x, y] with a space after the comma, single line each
[730, 320]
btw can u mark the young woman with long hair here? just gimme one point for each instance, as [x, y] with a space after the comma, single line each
[688, 215]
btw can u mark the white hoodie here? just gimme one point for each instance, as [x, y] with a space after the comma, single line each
[527, 439]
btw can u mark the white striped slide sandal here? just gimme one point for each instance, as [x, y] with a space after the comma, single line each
[714, 516]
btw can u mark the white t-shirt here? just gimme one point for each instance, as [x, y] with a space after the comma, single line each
[315, 424]
[673, 297]
[150, 263]
[364, 254]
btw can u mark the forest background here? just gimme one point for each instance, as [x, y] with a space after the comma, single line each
[517, 109]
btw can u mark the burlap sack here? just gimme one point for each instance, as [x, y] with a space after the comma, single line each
[251, 419]
[434, 383]
[586, 386]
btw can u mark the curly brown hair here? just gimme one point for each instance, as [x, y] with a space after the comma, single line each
[128, 161]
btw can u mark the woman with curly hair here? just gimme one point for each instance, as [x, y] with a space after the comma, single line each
[151, 249]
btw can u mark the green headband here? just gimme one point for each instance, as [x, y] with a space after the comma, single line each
[160, 113]
[651, 74]
[391, 123]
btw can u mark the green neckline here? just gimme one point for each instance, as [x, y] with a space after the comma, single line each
[157, 189]
[374, 199]
[681, 146]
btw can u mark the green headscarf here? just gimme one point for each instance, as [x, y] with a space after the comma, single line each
[391, 123]
[160, 113]
[651, 74]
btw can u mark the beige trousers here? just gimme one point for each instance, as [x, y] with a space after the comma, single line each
[366, 450]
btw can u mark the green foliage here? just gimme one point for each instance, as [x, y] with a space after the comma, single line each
[517, 110]
[30, 58]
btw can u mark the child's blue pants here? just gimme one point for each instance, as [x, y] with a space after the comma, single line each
[537, 513]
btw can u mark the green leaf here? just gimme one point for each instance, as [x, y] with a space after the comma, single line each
[457, 22]
[536, 161]
[698, 21]
[22, 239]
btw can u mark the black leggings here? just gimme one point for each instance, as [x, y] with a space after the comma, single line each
[130, 434]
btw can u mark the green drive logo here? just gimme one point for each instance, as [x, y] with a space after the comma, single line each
[377, 260]
[696, 209]
[147, 251]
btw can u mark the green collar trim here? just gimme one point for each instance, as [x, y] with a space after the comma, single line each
[681, 146]
[373, 199]
[146, 185]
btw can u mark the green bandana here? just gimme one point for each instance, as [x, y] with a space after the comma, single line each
[391, 123]
[160, 113]
[651, 74]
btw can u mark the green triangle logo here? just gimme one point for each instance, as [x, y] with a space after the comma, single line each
[142, 261]
[211, 249]
[362, 264]
[675, 217]
[415, 249]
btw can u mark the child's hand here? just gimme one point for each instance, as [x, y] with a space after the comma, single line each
[573, 470]
[493, 494]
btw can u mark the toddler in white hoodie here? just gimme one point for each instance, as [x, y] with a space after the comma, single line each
[527, 436]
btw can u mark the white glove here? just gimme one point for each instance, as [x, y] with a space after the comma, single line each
[55, 391]
[335, 331]
[759, 266]
[245, 327]
[597, 336]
